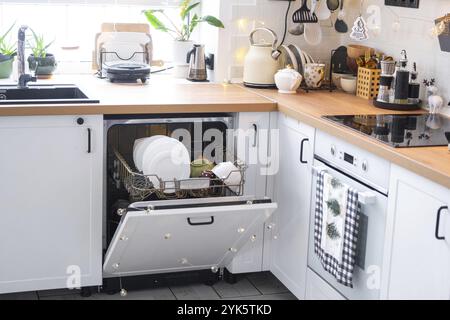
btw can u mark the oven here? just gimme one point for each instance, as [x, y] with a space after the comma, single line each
[369, 175]
[201, 225]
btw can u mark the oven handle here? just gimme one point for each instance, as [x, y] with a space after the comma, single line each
[366, 198]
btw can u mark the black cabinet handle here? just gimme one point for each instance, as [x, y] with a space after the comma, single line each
[89, 140]
[438, 222]
[255, 139]
[200, 223]
[302, 145]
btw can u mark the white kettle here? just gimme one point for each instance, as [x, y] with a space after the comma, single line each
[261, 62]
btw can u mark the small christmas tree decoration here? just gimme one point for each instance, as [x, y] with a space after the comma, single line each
[332, 231]
[359, 30]
[334, 207]
[335, 183]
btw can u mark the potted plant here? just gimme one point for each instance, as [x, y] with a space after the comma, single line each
[40, 61]
[181, 33]
[7, 53]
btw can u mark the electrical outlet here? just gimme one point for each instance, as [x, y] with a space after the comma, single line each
[402, 3]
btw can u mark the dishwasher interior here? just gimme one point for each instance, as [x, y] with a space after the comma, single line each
[200, 224]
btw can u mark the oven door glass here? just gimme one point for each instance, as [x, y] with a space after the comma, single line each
[182, 235]
[367, 272]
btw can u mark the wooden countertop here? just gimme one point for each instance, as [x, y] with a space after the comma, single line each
[160, 95]
[430, 162]
[164, 95]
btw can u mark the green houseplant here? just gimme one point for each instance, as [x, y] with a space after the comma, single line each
[7, 52]
[181, 31]
[40, 61]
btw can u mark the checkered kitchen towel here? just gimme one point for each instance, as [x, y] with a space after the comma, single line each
[336, 227]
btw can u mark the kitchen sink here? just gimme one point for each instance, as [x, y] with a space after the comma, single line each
[43, 94]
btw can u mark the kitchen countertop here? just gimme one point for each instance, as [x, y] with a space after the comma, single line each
[164, 95]
[161, 94]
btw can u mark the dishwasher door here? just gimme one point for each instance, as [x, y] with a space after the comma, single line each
[182, 235]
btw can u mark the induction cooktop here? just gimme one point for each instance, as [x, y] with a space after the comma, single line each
[400, 130]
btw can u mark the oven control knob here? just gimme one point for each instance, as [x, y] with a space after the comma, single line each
[365, 166]
[333, 151]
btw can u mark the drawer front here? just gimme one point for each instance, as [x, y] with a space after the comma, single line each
[182, 238]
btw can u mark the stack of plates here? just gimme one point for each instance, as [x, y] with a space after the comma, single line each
[295, 57]
[164, 158]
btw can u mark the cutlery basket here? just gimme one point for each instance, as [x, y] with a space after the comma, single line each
[140, 186]
[368, 83]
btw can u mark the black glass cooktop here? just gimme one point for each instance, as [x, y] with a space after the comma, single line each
[400, 131]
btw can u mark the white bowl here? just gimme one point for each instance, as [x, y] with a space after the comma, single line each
[348, 84]
[229, 173]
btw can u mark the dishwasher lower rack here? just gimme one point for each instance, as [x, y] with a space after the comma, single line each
[140, 186]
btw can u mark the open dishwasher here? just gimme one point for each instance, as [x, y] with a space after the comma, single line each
[200, 225]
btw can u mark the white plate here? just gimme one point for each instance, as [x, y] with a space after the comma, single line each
[168, 159]
[291, 56]
[140, 145]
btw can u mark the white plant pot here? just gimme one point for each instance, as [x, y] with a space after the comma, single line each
[180, 51]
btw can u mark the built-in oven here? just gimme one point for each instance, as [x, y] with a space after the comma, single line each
[368, 175]
[201, 224]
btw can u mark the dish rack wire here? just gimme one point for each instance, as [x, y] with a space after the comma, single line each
[140, 186]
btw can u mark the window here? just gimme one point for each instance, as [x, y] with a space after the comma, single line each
[73, 24]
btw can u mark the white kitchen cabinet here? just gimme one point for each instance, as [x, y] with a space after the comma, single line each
[293, 193]
[417, 262]
[251, 143]
[51, 172]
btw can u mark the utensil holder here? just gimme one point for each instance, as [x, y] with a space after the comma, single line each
[368, 83]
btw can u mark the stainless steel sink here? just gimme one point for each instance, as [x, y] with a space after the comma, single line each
[43, 94]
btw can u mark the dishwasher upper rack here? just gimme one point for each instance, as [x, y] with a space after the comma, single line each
[140, 187]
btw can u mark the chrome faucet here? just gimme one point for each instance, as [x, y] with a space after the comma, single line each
[23, 77]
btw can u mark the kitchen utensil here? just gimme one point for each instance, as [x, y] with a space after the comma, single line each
[200, 165]
[297, 30]
[140, 145]
[304, 15]
[313, 34]
[261, 62]
[314, 74]
[229, 173]
[348, 84]
[288, 80]
[322, 12]
[197, 63]
[333, 5]
[340, 24]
